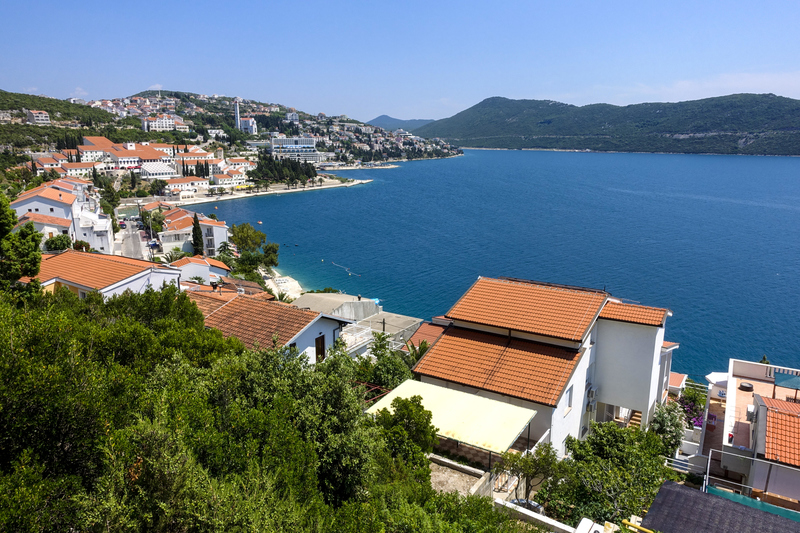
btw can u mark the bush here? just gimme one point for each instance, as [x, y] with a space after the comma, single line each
[58, 243]
[668, 423]
[693, 402]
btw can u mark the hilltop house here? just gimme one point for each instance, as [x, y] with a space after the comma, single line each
[83, 272]
[574, 355]
[255, 320]
[177, 232]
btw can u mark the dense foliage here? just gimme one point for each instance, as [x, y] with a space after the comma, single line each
[693, 402]
[57, 109]
[127, 414]
[668, 423]
[614, 473]
[270, 170]
[758, 124]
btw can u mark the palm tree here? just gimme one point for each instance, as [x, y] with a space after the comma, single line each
[224, 249]
[174, 254]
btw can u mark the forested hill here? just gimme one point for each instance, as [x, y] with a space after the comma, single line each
[390, 123]
[57, 109]
[763, 124]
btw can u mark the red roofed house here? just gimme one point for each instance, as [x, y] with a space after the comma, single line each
[84, 272]
[203, 267]
[575, 355]
[256, 320]
[178, 231]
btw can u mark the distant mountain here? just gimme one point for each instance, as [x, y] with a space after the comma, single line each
[388, 123]
[762, 124]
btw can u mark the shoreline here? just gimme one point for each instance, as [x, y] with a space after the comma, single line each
[577, 151]
[238, 195]
[280, 283]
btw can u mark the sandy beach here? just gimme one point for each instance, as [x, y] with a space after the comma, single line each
[285, 284]
[273, 189]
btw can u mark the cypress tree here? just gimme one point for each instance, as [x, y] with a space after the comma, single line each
[197, 236]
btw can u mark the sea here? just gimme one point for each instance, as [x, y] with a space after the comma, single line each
[716, 239]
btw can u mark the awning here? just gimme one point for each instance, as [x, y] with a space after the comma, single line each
[487, 424]
[786, 379]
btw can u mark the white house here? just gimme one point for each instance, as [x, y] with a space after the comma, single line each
[177, 232]
[228, 181]
[254, 320]
[39, 118]
[204, 267]
[84, 272]
[248, 125]
[188, 183]
[761, 430]
[574, 355]
[48, 226]
[49, 201]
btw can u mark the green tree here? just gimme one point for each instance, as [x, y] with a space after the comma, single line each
[197, 236]
[157, 187]
[82, 246]
[19, 252]
[668, 423]
[534, 468]
[58, 242]
[410, 433]
[246, 237]
[390, 370]
[614, 473]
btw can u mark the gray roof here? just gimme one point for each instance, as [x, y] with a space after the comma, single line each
[679, 509]
[394, 323]
[323, 302]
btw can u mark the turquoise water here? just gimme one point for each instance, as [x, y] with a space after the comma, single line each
[714, 238]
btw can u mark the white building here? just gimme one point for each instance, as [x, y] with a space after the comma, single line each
[298, 148]
[228, 181]
[39, 118]
[248, 125]
[292, 117]
[83, 273]
[574, 355]
[178, 224]
[189, 183]
[201, 267]
[255, 321]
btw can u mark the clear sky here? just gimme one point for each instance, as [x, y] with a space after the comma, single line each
[407, 59]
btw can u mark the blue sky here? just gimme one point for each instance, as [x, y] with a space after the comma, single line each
[413, 59]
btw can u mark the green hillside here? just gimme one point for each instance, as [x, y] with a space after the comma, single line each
[762, 124]
[390, 123]
[57, 109]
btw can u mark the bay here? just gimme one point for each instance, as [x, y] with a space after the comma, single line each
[716, 239]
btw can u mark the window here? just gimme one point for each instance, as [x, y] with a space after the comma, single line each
[52, 210]
[568, 398]
[37, 209]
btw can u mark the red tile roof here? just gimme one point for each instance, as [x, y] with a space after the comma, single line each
[49, 193]
[636, 314]
[426, 332]
[677, 380]
[783, 432]
[513, 367]
[91, 270]
[200, 260]
[549, 310]
[253, 320]
[666, 345]
[45, 219]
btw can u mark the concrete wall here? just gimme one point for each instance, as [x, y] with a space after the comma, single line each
[356, 311]
[41, 205]
[627, 367]
[782, 480]
[154, 278]
[192, 270]
[569, 421]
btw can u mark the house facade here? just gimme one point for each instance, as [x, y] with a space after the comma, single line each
[575, 355]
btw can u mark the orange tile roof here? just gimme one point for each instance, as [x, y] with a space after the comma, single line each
[187, 179]
[677, 380]
[783, 432]
[45, 219]
[98, 141]
[519, 368]
[549, 310]
[213, 262]
[426, 332]
[49, 193]
[666, 345]
[636, 314]
[253, 320]
[156, 205]
[91, 270]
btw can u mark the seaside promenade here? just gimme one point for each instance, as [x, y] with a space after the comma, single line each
[276, 189]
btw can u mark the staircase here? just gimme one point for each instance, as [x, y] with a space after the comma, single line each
[636, 419]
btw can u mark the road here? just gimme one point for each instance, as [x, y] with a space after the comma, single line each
[132, 242]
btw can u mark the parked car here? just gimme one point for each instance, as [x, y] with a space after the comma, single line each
[123, 225]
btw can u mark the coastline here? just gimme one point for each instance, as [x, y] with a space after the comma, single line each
[572, 150]
[329, 184]
[283, 284]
